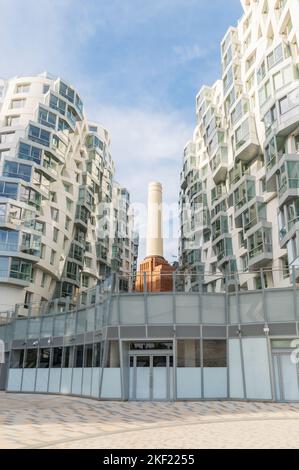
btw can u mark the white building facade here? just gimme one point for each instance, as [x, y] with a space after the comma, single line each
[239, 198]
[56, 189]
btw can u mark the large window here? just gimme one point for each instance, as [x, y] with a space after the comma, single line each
[9, 240]
[29, 152]
[17, 170]
[21, 270]
[214, 353]
[67, 92]
[4, 262]
[39, 135]
[8, 190]
[188, 353]
[57, 104]
[46, 118]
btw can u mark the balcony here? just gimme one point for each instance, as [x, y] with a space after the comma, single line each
[274, 153]
[246, 143]
[239, 170]
[254, 215]
[219, 228]
[223, 250]
[288, 119]
[242, 195]
[260, 251]
[219, 165]
[288, 179]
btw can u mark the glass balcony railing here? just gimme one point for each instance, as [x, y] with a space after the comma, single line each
[260, 250]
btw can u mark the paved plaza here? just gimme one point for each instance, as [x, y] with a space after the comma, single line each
[43, 421]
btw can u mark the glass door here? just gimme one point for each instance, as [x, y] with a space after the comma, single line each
[150, 376]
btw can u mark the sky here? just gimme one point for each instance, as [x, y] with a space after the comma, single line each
[138, 65]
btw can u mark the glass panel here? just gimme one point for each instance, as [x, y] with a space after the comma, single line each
[159, 361]
[68, 357]
[44, 358]
[17, 358]
[88, 355]
[57, 357]
[142, 361]
[97, 354]
[30, 358]
[113, 355]
[188, 353]
[79, 356]
[214, 353]
[139, 346]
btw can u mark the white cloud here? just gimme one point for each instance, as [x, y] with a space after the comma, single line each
[147, 145]
[189, 53]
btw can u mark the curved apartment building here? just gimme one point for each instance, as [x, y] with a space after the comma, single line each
[57, 195]
[239, 196]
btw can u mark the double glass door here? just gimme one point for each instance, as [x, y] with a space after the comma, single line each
[151, 375]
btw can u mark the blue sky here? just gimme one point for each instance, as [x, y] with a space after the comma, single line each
[138, 65]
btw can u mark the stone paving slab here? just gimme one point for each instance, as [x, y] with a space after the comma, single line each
[48, 421]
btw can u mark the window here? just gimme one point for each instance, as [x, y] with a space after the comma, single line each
[188, 353]
[17, 359]
[4, 266]
[113, 360]
[285, 267]
[88, 355]
[30, 359]
[214, 353]
[46, 88]
[29, 152]
[68, 357]
[8, 190]
[52, 258]
[13, 120]
[36, 134]
[69, 204]
[66, 92]
[17, 170]
[78, 356]
[265, 93]
[46, 118]
[17, 104]
[97, 355]
[7, 137]
[55, 234]
[57, 357]
[9, 240]
[57, 104]
[85, 280]
[54, 214]
[43, 280]
[44, 358]
[67, 223]
[23, 88]
[21, 270]
[275, 57]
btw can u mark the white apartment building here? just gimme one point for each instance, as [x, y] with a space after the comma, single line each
[239, 197]
[56, 182]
